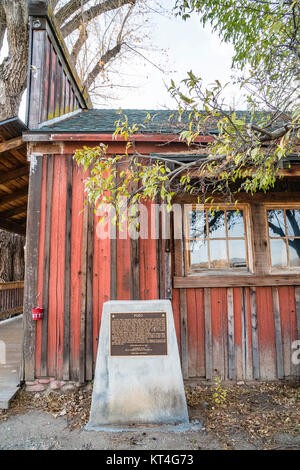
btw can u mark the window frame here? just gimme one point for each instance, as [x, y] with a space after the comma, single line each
[227, 271]
[280, 206]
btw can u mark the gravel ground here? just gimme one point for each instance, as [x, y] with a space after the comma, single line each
[249, 417]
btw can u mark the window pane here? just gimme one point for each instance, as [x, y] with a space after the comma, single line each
[294, 250]
[278, 253]
[235, 224]
[293, 222]
[216, 222]
[237, 254]
[197, 224]
[218, 255]
[276, 223]
[199, 256]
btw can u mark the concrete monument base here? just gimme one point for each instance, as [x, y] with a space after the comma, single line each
[138, 379]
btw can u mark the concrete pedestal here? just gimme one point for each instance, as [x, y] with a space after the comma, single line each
[135, 390]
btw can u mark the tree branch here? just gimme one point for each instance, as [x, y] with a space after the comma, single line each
[68, 10]
[83, 35]
[99, 67]
[93, 12]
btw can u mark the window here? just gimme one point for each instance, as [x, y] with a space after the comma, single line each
[284, 237]
[215, 239]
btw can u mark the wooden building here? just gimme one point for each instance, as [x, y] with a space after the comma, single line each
[235, 296]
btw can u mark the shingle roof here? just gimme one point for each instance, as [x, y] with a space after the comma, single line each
[102, 121]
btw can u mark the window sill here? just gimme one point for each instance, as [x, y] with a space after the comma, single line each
[236, 280]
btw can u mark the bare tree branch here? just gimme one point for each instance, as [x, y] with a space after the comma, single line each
[93, 12]
[68, 10]
[99, 67]
[110, 54]
[83, 35]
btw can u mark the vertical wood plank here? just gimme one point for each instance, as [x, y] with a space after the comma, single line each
[199, 293]
[38, 347]
[83, 296]
[278, 335]
[219, 332]
[266, 333]
[31, 257]
[47, 255]
[167, 255]
[76, 270]
[247, 334]
[113, 269]
[297, 300]
[208, 334]
[192, 332]
[297, 297]
[260, 240]
[239, 335]
[255, 351]
[159, 250]
[231, 342]
[67, 286]
[135, 269]
[61, 239]
[176, 313]
[148, 260]
[37, 82]
[89, 295]
[184, 334]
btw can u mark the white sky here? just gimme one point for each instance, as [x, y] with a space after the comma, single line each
[189, 47]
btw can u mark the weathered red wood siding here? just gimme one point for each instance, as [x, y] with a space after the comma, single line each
[236, 333]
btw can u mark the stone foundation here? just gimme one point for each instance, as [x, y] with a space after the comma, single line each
[50, 384]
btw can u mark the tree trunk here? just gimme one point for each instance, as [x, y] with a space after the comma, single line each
[13, 78]
[13, 69]
[11, 257]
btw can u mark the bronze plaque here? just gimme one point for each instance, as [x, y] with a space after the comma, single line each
[138, 334]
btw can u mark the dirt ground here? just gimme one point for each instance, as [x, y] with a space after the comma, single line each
[253, 416]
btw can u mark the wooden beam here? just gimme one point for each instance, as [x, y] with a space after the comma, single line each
[46, 268]
[12, 227]
[31, 263]
[184, 334]
[14, 196]
[11, 144]
[194, 282]
[254, 333]
[82, 358]
[13, 174]
[11, 285]
[208, 335]
[278, 334]
[14, 211]
[108, 137]
[67, 286]
[38, 7]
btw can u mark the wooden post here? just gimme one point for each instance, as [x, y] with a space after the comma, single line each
[255, 350]
[89, 295]
[184, 334]
[67, 300]
[231, 349]
[278, 336]
[31, 263]
[208, 334]
[47, 255]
